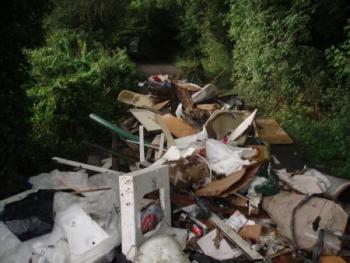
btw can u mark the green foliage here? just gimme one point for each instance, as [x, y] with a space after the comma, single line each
[268, 49]
[203, 36]
[279, 68]
[73, 78]
[109, 21]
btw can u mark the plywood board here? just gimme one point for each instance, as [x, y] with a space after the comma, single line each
[269, 130]
[178, 127]
[146, 118]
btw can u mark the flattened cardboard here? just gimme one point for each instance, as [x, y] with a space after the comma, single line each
[251, 232]
[243, 183]
[218, 187]
[140, 100]
[270, 131]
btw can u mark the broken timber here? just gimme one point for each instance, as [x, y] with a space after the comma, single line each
[85, 166]
[235, 238]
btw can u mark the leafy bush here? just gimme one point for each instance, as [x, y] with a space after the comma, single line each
[74, 77]
[279, 68]
[203, 36]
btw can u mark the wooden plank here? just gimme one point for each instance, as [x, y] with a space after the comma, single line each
[85, 166]
[235, 238]
[168, 136]
[146, 118]
[269, 130]
[178, 127]
[184, 97]
[142, 146]
[161, 147]
[189, 86]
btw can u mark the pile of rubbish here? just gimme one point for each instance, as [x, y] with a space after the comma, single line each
[190, 178]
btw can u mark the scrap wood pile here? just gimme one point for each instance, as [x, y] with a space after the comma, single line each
[228, 201]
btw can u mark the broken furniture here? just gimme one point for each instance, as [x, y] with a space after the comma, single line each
[133, 187]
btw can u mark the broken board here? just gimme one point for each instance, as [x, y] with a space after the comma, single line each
[270, 131]
[235, 238]
[178, 127]
[146, 118]
[139, 100]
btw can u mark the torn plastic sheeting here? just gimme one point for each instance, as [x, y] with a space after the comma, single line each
[31, 216]
[337, 186]
[175, 154]
[226, 159]
[55, 248]
[60, 180]
[99, 204]
[316, 214]
[12, 250]
[103, 208]
[179, 234]
[50, 248]
[305, 184]
[194, 141]
[161, 248]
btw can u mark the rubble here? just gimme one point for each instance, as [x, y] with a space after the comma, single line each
[196, 180]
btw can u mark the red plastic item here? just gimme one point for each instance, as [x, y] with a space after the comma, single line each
[197, 230]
